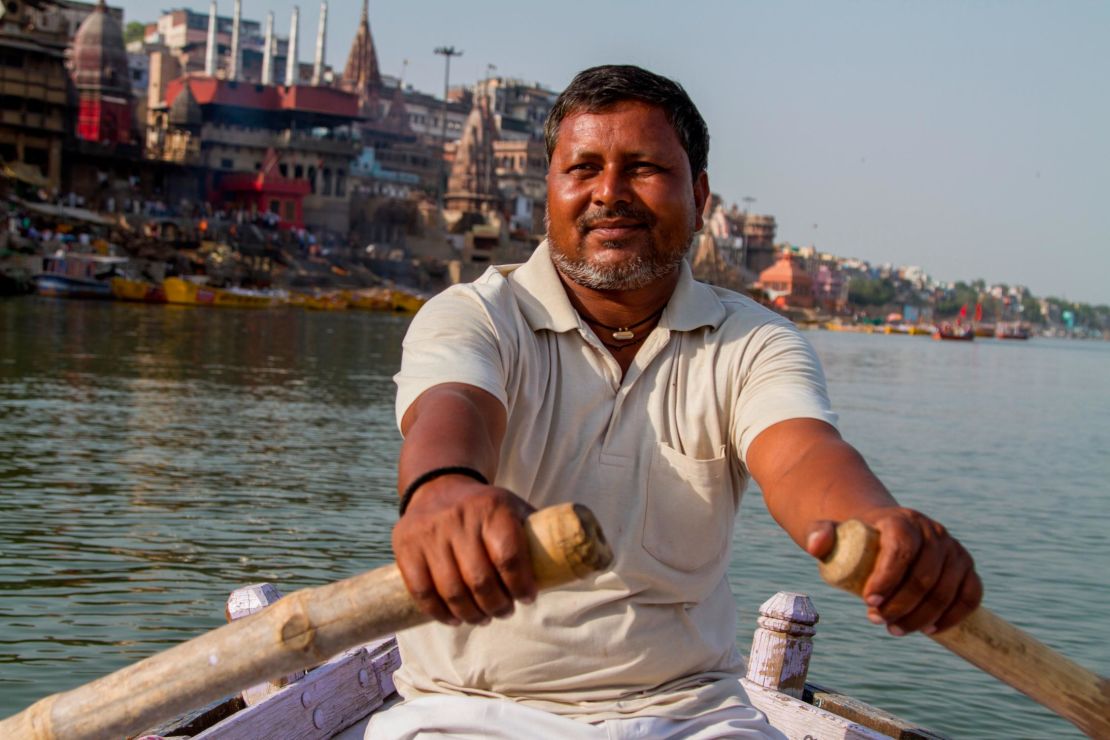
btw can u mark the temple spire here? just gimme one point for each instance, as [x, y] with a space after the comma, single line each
[362, 75]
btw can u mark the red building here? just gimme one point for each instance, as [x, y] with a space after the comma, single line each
[101, 76]
[787, 284]
[285, 150]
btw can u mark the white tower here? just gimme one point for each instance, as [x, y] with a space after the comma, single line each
[236, 51]
[268, 52]
[292, 62]
[210, 50]
[321, 42]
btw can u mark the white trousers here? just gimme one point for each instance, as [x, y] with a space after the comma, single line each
[468, 718]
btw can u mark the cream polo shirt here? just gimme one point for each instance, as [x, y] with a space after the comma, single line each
[658, 457]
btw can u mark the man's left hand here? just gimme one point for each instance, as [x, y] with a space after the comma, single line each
[923, 579]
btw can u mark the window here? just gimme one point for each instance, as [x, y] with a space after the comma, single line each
[312, 180]
[227, 164]
[327, 182]
[340, 183]
[8, 152]
[284, 170]
[275, 206]
[290, 211]
[298, 172]
[36, 156]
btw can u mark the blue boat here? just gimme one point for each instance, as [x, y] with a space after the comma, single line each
[75, 275]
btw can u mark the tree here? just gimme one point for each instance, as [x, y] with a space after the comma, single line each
[865, 292]
[135, 31]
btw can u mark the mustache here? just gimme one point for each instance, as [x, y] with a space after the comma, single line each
[587, 220]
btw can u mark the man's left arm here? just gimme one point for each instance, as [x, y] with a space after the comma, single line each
[812, 479]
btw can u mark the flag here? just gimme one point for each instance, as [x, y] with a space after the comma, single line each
[978, 312]
[963, 311]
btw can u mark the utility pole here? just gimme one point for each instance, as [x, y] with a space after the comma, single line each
[446, 52]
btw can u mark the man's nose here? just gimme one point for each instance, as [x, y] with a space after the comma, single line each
[612, 187]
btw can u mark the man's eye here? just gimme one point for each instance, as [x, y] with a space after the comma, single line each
[582, 168]
[644, 168]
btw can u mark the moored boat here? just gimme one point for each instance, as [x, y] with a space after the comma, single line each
[130, 289]
[1012, 330]
[75, 275]
[950, 332]
[192, 293]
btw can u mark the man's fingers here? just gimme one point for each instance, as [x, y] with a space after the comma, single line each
[481, 578]
[929, 577]
[821, 538]
[507, 546]
[967, 600]
[450, 585]
[899, 543]
[418, 580]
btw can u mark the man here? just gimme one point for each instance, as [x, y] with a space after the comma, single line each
[600, 372]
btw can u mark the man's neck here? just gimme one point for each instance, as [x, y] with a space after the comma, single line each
[620, 307]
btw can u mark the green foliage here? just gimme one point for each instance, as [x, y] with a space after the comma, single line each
[134, 31]
[865, 292]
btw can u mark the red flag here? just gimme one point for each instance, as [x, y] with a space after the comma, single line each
[963, 311]
[978, 311]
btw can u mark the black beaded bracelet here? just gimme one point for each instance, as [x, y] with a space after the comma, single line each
[434, 473]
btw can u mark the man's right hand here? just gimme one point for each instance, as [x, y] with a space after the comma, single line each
[462, 550]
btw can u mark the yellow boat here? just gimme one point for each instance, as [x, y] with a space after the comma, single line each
[371, 299]
[405, 301]
[335, 301]
[189, 293]
[127, 289]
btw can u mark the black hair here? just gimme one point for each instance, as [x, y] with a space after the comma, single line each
[600, 88]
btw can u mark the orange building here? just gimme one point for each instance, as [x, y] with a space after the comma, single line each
[787, 284]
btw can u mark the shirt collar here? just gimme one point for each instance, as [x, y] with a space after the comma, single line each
[544, 303]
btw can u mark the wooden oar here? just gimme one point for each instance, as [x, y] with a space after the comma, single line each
[990, 643]
[300, 630]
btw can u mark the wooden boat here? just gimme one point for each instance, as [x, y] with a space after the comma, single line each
[191, 293]
[371, 299]
[949, 332]
[333, 301]
[74, 275]
[338, 698]
[129, 289]
[1012, 330]
[406, 301]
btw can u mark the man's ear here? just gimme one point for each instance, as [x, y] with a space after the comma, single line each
[701, 195]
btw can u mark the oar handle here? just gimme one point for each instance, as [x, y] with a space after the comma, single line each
[300, 630]
[989, 642]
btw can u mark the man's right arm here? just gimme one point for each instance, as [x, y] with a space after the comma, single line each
[460, 545]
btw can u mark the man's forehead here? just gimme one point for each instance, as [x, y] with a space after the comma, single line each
[588, 129]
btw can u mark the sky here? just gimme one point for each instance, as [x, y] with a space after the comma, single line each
[968, 137]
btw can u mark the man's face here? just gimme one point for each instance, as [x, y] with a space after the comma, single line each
[622, 206]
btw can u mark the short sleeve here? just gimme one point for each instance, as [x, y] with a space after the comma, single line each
[782, 381]
[453, 339]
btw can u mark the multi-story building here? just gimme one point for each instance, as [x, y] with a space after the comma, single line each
[255, 140]
[35, 116]
[184, 33]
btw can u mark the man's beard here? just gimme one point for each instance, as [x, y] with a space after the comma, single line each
[638, 272]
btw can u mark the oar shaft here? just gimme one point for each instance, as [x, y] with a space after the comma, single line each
[990, 643]
[302, 629]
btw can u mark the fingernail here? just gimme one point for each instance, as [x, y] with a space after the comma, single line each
[875, 600]
[930, 630]
[875, 619]
[485, 621]
[896, 631]
[811, 541]
[527, 600]
[454, 622]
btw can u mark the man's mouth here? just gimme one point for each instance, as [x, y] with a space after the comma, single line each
[614, 228]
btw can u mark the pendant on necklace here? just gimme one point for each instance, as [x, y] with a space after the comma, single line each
[623, 335]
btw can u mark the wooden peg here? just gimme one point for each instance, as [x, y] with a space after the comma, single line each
[242, 603]
[783, 643]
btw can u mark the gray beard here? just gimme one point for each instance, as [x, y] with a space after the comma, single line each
[637, 273]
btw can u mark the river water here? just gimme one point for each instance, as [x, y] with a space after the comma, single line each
[154, 458]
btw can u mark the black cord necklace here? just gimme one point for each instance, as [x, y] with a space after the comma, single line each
[623, 333]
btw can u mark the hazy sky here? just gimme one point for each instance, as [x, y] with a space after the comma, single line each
[970, 138]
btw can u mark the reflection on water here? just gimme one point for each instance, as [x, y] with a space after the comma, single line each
[154, 458]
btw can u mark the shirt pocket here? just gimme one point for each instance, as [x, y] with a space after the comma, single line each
[690, 509]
